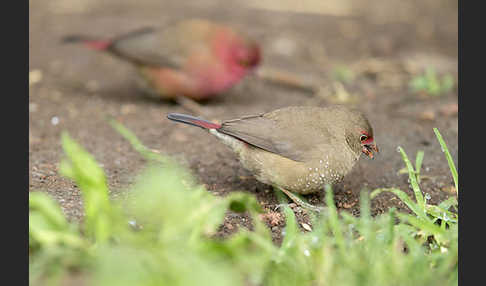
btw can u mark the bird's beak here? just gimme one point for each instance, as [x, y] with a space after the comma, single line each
[369, 148]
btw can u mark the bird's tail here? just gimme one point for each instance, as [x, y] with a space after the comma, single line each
[91, 42]
[135, 33]
[191, 120]
[103, 44]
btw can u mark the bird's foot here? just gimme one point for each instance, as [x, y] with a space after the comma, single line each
[286, 78]
[300, 202]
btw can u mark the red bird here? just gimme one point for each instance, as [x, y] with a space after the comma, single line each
[193, 58]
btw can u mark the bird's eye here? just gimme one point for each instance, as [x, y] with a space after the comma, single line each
[363, 137]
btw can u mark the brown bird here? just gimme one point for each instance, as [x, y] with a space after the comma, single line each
[297, 149]
[193, 58]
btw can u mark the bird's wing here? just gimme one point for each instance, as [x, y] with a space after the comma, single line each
[167, 47]
[284, 134]
[146, 47]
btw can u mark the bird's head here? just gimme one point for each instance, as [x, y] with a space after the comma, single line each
[367, 143]
[247, 54]
[359, 134]
[239, 52]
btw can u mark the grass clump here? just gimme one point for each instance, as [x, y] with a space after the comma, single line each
[166, 235]
[430, 84]
[343, 74]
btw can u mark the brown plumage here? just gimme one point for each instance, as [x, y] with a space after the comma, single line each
[299, 149]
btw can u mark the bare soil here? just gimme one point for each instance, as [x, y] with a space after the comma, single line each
[385, 43]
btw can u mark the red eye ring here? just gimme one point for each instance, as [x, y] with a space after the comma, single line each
[363, 137]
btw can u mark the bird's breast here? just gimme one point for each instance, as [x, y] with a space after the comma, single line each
[305, 177]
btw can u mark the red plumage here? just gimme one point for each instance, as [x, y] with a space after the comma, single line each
[188, 119]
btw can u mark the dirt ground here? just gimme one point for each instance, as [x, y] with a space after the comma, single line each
[385, 43]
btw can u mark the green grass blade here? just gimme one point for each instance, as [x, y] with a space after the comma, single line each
[414, 207]
[450, 202]
[418, 163]
[438, 212]
[148, 154]
[334, 223]
[422, 225]
[444, 148]
[348, 218]
[389, 230]
[365, 215]
[89, 176]
[49, 208]
[413, 180]
[291, 230]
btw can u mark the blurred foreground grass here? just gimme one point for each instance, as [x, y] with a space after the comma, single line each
[166, 235]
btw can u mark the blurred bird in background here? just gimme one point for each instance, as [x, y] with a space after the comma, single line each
[189, 61]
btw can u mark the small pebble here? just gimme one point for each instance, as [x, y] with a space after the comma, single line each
[306, 226]
[427, 115]
[55, 120]
[35, 76]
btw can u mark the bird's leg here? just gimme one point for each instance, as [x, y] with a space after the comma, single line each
[191, 106]
[301, 202]
[285, 78]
